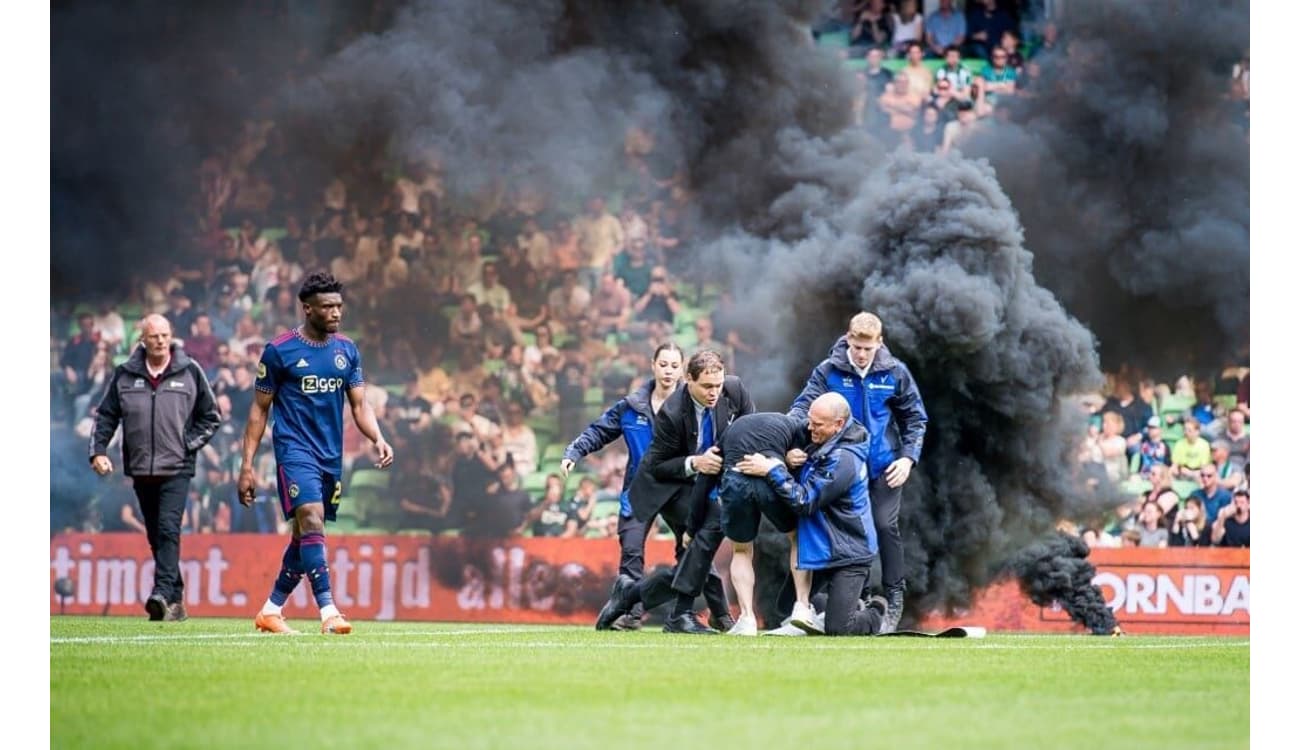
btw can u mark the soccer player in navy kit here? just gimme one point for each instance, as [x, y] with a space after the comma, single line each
[304, 373]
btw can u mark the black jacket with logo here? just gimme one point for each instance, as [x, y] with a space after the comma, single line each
[163, 427]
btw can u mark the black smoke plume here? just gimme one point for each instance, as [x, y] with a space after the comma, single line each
[1131, 173]
[1056, 569]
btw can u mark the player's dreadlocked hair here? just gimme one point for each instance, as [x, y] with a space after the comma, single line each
[319, 283]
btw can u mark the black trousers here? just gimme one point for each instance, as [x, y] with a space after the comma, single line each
[631, 547]
[884, 511]
[697, 561]
[843, 615]
[162, 501]
[658, 590]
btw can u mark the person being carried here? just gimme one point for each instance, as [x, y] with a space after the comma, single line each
[744, 500]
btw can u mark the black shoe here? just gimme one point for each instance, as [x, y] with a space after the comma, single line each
[894, 611]
[722, 623]
[687, 624]
[176, 612]
[156, 606]
[616, 607]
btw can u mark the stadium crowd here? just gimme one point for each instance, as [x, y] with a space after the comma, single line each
[937, 73]
[495, 330]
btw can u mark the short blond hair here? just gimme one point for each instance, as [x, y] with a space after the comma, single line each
[864, 325]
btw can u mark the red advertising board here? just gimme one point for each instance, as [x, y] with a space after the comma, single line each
[1168, 591]
[398, 577]
[536, 580]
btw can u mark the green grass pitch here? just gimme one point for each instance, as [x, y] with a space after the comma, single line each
[129, 683]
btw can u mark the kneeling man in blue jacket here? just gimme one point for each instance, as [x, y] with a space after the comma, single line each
[829, 493]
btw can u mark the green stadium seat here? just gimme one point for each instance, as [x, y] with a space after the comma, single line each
[1175, 404]
[833, 39]
[1227, 402]
[1135, 485]
[553, 453]
[605, 508]
[369, 478]
[345, 525]
[534, 484]
[1185, 487]
[546, 436]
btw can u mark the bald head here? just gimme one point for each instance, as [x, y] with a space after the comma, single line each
[154, 323]
[156, 337]
[827, 416]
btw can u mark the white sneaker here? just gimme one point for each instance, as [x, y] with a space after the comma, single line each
[745, 625]
[787, 629]
[806, 618]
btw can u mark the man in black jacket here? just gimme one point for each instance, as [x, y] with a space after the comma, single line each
[163, 402]
[684, 449]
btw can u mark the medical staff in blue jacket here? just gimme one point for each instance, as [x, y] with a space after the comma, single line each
[883, 397]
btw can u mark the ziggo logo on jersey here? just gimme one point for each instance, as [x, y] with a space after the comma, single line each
[313, 384]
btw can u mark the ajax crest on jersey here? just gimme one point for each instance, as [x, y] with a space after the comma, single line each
[340, 361]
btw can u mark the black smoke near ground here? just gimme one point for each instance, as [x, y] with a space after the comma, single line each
[1131, 173]
[1056, 569]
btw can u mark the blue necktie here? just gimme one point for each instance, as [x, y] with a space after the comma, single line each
[706, 431]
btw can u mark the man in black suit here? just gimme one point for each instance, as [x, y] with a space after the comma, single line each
[675, 479]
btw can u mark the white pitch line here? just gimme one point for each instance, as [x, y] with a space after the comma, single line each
[186, 637]
[729, 644]
[838, 645]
